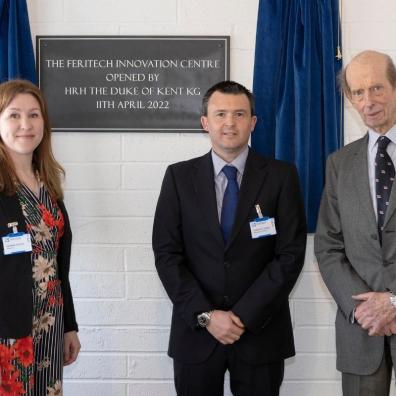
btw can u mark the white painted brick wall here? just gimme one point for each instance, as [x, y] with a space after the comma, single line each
[112, 184]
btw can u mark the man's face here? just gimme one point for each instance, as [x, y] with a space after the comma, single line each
[371, 94]
[229, 123]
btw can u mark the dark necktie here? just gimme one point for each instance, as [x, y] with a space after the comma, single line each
[230, 201]
[384, 176]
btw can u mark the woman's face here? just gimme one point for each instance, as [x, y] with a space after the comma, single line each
[21, 126]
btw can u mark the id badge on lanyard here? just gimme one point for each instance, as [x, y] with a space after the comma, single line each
[262, 226]
[16, 242]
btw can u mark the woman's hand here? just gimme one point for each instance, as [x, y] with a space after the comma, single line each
[71, 347]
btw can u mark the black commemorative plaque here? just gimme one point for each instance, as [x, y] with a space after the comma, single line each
[129, 84]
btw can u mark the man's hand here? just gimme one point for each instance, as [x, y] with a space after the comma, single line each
[71, 347]
[388, 329]
[375, 312]
[225, 327]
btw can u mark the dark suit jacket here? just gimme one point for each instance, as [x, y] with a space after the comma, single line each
[251, 277]
[16, 301]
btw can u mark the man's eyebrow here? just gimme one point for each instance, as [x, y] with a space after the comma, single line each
[233, 110]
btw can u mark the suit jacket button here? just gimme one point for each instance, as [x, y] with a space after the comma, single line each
[374, 236]
[226, 299]
[227, 265]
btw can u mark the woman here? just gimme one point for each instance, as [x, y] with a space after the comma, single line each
[38, 329]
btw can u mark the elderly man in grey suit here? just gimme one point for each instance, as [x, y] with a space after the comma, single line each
[355, 242]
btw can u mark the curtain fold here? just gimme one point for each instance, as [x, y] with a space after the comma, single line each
[298, 103]
[16, 49]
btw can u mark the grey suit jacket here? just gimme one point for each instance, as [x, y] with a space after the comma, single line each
[349, 253]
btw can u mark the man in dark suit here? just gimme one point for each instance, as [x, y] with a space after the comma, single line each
[355, 237]
[229, 241]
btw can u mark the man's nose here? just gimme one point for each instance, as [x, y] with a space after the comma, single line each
[229, 119]
[368, 98]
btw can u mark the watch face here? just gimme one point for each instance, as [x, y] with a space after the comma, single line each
[203, 319]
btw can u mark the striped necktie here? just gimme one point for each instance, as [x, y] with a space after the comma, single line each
[384, 176]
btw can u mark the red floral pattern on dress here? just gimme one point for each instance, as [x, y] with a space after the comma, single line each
[24, 351]
[47, 216]
[12, 359]
[11, 386]
[5, 358]
[60, 226]
[54, 293]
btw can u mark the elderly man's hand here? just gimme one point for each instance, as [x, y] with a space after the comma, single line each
[375, 312]
[388, 329]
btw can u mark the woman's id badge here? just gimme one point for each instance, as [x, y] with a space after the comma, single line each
[16, 242]
[262, 226]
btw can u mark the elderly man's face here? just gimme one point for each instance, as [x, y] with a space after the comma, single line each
[371, 94]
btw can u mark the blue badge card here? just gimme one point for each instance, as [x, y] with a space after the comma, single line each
[15, 243]
[262, 227]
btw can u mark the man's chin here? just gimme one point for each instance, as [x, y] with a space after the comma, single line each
[379, 128]
[233, 149]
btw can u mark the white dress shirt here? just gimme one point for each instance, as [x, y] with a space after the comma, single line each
[220, 178]
[372, 152]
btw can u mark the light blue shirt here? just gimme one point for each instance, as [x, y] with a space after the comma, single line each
[372, 152]
[220, 178]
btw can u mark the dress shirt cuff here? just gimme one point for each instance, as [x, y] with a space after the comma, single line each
[352, 316]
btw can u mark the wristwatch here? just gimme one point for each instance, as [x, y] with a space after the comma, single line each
[392, 299]
[204, 318]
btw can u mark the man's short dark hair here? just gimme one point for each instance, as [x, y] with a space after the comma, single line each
[390, 74]
[227, 87]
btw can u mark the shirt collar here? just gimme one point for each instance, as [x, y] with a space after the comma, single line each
[239, 162]
[373, 137]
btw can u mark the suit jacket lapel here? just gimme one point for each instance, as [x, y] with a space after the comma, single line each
[362, 183]
[12, 211]
[206, 195]
[252, 181]
[392, 204]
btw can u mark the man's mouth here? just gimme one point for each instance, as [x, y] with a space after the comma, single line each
[374, 114]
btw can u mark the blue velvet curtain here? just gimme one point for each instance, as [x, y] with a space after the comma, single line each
[298, 103]
[16, 50]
